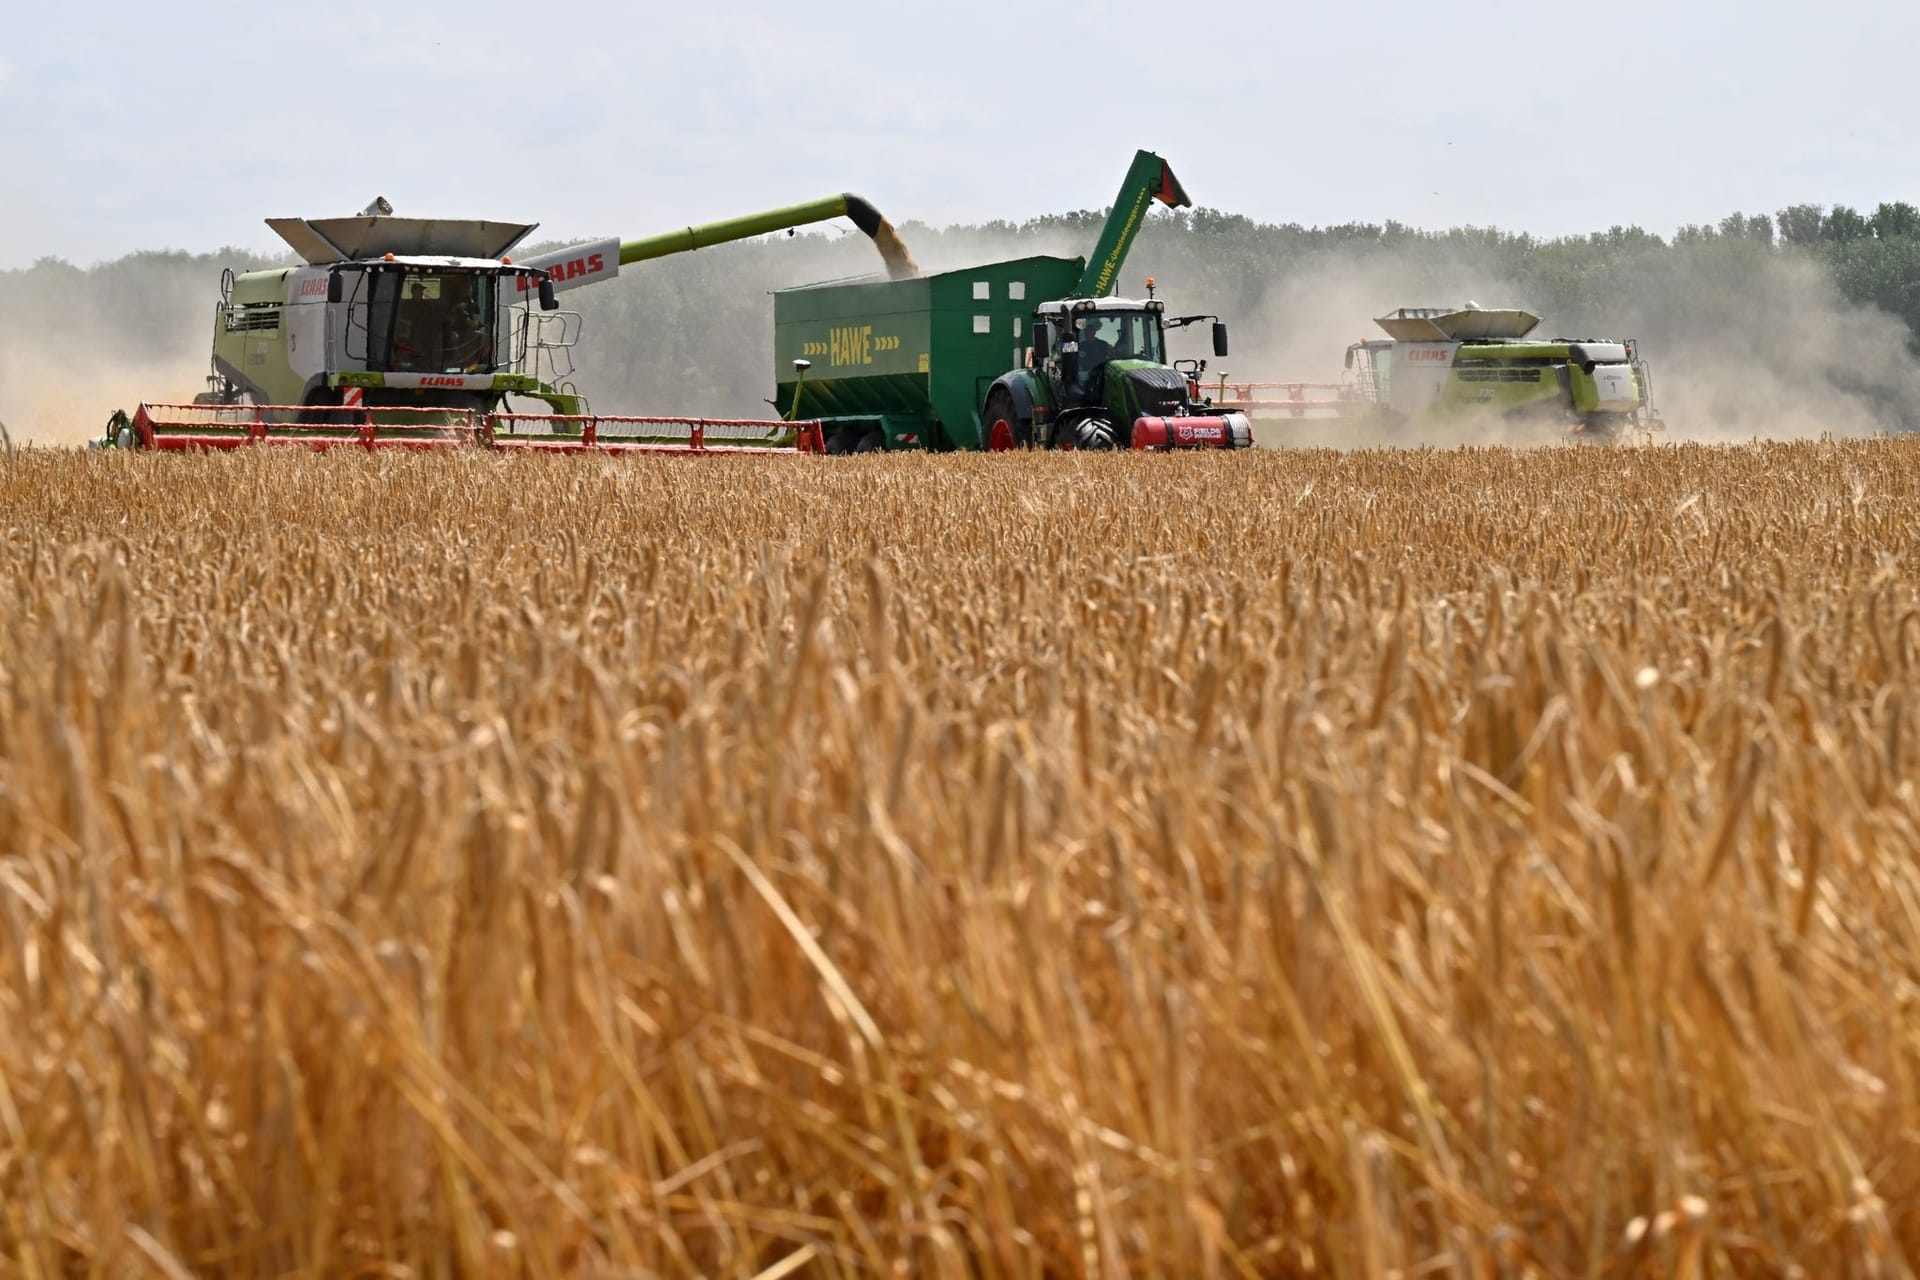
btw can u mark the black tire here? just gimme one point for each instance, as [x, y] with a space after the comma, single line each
[841, 443]
[1605, 428]
[875, 441]
[321, 408]
[1095, 435]
[1018, 432]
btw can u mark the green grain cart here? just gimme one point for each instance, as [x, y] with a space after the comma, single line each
[1009, 354]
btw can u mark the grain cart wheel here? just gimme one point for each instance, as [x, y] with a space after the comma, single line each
[1000, 426]
[875, 441]
[841, 442]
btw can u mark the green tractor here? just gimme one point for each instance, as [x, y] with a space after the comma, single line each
[1100, 379]
[1098, 376]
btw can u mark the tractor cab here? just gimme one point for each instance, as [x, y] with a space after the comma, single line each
[1098, 367]
[1074, 342]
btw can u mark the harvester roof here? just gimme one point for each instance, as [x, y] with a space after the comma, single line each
[1100, 304]
[326, 240]
[1466, 324]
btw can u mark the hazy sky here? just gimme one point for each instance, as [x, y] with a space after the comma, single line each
[150, 125]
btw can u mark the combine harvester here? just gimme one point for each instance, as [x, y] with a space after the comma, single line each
[412, 332]
[1440, 366]
[1028, 353]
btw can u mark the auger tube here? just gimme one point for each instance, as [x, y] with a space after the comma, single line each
[686, 239]
[1150, 179]
[584, 264]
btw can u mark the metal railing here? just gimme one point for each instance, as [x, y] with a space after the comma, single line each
[1292, 399]
[570, 433]
[178, 427]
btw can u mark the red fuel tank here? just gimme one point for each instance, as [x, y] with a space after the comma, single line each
[1220, 431]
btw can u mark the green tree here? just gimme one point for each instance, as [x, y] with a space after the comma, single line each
[1896, 221]
[1801, 224]
[1845, 225]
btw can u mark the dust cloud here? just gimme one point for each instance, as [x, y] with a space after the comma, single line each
[48, 398]
[1743, 343]
[92, 341]
[1750, 345]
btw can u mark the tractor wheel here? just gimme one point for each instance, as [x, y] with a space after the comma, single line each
[875, 441]
[1001, 427]
[1095, 434]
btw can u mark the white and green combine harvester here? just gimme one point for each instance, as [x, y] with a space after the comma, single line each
[1446, 363]
[413, 332]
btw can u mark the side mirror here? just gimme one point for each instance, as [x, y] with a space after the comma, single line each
[547, 301]
[1219, 338]
[1349, 363]
[1042, 341]
[336, 287]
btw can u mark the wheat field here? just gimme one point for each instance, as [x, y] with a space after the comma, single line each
[1482, 863]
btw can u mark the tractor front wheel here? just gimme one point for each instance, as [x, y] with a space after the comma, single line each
[1001, 427]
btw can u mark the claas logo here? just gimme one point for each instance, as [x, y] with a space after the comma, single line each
[571, 269]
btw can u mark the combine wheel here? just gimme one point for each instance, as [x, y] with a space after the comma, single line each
[1605, 428]
[1001, 427]
[119, 434]
[316, 408]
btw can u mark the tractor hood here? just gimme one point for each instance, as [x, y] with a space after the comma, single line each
[1141, 389]
[325, 240]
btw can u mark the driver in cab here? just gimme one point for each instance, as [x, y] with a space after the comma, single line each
[1102, 338]
[467, 345]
